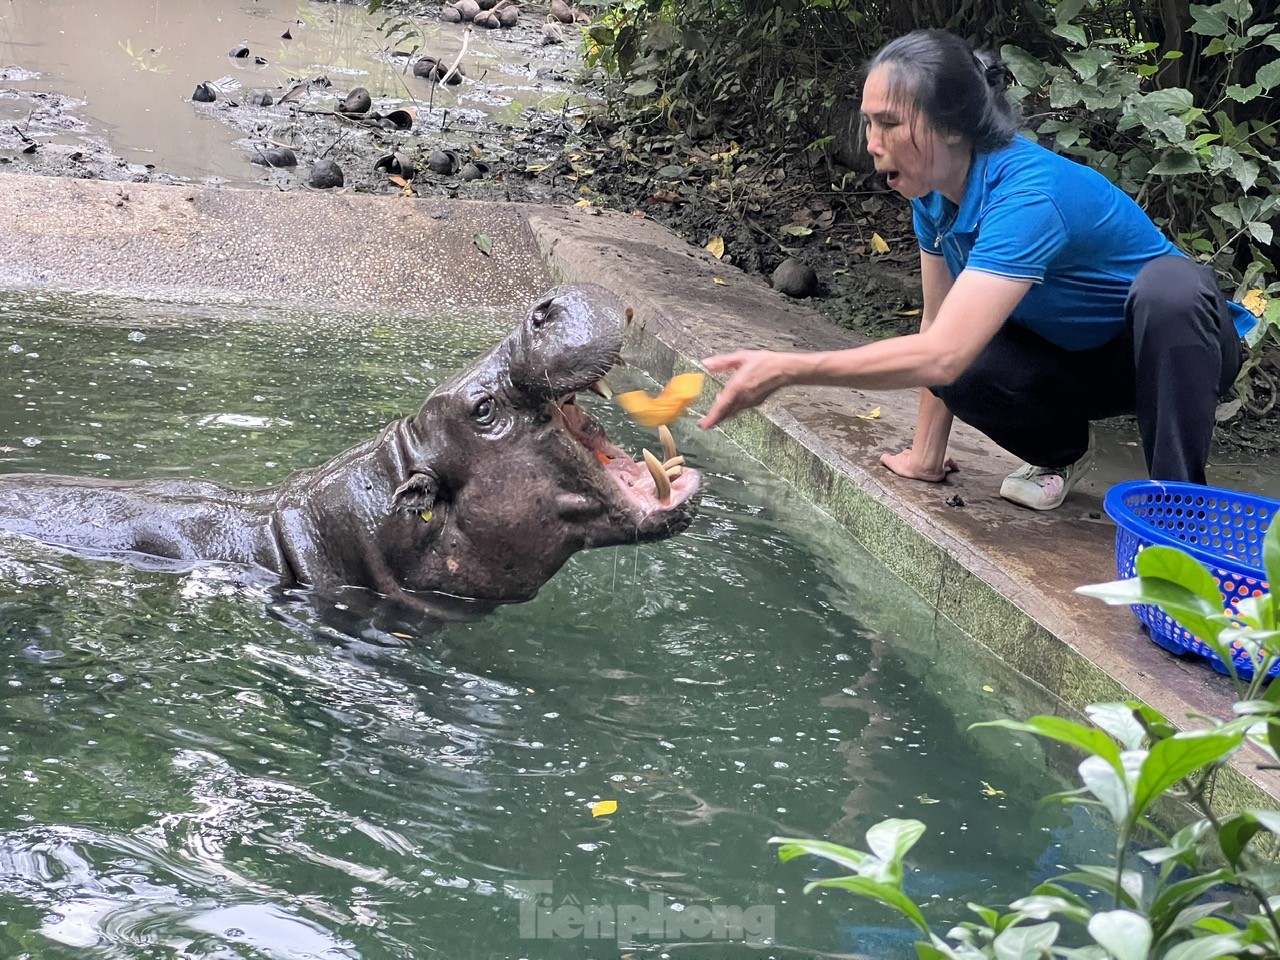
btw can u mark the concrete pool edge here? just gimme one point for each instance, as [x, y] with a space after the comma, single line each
[1003, 575]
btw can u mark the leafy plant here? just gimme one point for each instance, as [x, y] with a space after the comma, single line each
[1209, 890]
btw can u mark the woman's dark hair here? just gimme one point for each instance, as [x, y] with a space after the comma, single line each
[959, 91]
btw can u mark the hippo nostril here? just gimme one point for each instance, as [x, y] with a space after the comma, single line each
[541, 313]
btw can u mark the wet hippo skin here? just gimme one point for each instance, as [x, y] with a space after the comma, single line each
[483, 494]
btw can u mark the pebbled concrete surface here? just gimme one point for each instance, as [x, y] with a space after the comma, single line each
[1004, 574]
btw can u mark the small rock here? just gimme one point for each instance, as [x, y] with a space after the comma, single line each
[795, 278]
[468, 9]
[508, 16]
[477, 170]
[204, 93]
[955, 500]
[451, 14]
[238, 52]
[326, 174]
[560, 11]
[357, 102]
[487, 19]
[260, 98]
[275, 157]
[444, 162]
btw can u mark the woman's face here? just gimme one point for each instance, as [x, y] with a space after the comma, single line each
[914, 158]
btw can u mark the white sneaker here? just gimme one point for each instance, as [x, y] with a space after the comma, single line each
[1044, 488]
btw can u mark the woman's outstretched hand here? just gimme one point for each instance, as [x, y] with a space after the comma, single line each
[755, 375]
[904, 465]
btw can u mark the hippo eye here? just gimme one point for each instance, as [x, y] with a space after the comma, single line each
[485, 411]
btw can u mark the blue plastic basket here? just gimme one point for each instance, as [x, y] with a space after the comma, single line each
[1223, 529]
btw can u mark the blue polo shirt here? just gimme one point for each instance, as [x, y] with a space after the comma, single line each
[1030, 214]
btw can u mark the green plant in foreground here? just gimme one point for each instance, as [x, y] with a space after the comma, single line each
[1210, 890]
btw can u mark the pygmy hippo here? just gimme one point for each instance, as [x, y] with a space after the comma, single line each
[483, 494]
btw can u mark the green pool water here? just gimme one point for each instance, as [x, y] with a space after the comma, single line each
[185, 775]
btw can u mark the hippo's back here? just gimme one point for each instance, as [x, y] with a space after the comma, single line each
[176, 519]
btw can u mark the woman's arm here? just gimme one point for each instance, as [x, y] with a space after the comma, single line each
[969, 316]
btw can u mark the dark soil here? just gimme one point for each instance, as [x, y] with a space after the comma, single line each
[759, 208]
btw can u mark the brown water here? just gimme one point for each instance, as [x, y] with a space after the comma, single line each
[135, 64]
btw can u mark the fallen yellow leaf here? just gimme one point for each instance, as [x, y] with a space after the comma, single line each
[906, 313]
[987, 688]
[584, 202]
[1255, 302]
[925, 798]
[603, 808]
[878, 244]
[989, 791]
[715, 247]
[658, 411]
[872, 415]
[717, 280]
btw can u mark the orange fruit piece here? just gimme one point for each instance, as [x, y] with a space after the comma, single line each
[674, 399]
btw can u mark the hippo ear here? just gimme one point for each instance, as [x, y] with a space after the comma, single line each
[417, 494]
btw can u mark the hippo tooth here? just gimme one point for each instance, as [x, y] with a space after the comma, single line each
[676, 461]
[675, 473]
[661, 484]
[668, 443]
[602, 389]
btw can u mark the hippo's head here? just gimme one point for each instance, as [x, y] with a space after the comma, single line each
[508, 476]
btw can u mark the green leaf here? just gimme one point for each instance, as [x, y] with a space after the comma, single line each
[484, 243]
[1024, 943]
[1109, 785]
[1068, 10]
[1170, 563]
[880, 892]
[1207, 948]
[1240, 829]
[1104, 879]
[1182, 846]
[1271, 546]
[1177, 165]
[1171, 760]
[641, 88]
[1188, 608]
[1041, 907]
[1243, 94]
[1268, 75]
[789, 849]
[1026, 69]
[797, 230]
[1176, 897]
[1118, 719]
[891, 839]
[1091, 740]
[1209, 21]
[1194, 916]
[1261, 232]
[1069, 31]
[1125, 934]
[1228, 212]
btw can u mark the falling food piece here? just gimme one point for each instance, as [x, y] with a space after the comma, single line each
[674, 399]
[602, 808]
[874, 414]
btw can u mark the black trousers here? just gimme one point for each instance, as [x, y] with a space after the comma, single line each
[1177, 356]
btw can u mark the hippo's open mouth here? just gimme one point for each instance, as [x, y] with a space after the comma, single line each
[652, 484]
